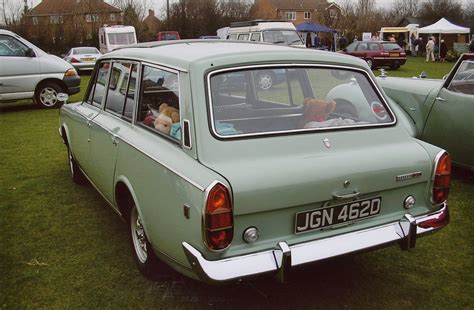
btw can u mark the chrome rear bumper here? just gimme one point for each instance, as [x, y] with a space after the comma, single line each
[284, 256]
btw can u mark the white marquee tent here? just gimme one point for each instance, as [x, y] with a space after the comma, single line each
[444, 26]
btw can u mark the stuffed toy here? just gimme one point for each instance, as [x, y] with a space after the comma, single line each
[163, 123]
[166, 118]
[317, 110]
[171, 112]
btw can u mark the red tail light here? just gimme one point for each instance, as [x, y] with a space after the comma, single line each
[384, 54]
[74, 60]
[218, 218]
[442, 179]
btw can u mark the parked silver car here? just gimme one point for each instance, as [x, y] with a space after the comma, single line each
[28, 72]
[82, 58]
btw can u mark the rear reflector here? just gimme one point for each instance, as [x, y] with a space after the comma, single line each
[218, 218]
[442, 178]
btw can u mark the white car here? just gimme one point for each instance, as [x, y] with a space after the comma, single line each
[82, 58]
[27, 72]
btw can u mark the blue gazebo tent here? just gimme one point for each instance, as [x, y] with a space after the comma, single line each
[315, 28]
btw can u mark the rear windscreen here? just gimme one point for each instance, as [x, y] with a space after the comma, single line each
[281, 99]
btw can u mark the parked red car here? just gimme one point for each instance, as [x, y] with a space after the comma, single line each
[378, 54]
[167, 35]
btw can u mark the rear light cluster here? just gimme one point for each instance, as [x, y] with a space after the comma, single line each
[384, 54]
[442, 178]
[74, 60]
[218, 218]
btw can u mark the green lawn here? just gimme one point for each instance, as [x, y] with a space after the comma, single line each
[415, 65]
[62, 247]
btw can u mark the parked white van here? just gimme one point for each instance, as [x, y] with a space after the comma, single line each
[275, 32]
[112, 37]
[28, 72]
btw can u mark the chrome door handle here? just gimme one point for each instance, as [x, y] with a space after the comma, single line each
[440, 99]
[346, 196]
[115, 139]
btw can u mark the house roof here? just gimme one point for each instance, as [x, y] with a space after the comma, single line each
[57, 7]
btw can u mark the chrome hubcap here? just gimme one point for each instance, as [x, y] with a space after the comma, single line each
[138, 236]
[48, 96]
[265, 82]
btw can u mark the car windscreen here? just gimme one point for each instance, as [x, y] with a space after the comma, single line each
[391, 46]
[85, 50]
[288, 37]
[271, 100]
[121, 38]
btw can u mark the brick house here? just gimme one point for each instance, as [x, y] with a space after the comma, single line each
[60, 24]
[153, 24]
[320, 11]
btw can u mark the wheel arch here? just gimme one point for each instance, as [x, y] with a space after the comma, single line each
[123, 194]
[51, 80]
[65, 134]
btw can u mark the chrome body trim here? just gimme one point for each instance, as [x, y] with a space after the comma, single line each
[293, 65]
[284, 256]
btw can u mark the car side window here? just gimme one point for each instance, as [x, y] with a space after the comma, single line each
[243, 37]
[255, 37]
[120, 97]
[159, 107]
[97, 89]
[463, 80]
[10, 46]
[361, 47]
[374, 47]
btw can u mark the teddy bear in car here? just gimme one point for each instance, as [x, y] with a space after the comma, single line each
[167, 117]
[316, 110]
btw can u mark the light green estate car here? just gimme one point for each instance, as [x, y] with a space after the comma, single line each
[442, 110]
[224, 180]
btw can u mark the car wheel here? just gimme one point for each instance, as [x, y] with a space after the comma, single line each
[143, 253]
[395, 66]
[76, 173]
[370, 63]
[47, 95]
[265, 80]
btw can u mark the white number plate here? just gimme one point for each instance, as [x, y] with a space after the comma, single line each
[337, 214]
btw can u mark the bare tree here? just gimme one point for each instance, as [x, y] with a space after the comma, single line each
[405, 8]
[433, 10]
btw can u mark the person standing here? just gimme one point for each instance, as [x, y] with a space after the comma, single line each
[413, 44]
[430, 50]
[421, 47]
[376, 37]
[443, 50]
[392, 38]
[471, 46]
[317, 41]
[342, 42]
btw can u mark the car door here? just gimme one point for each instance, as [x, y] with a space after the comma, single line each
[19, 72]
[450, 123]
[80, 131]
[110, 124]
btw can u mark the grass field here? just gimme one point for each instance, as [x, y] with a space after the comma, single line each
[62, 247]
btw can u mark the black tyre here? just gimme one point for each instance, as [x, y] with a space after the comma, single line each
[46, 95]
[76, 173]
[370, 63]
[395, 65]
[143, 254]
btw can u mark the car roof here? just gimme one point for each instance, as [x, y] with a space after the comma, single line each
[211, 53]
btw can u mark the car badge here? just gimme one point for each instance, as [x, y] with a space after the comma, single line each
[409, 176]
[327, 143]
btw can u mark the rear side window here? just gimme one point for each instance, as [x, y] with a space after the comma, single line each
[99, 82]
[121, 93]
[255, 37]
[361, 47]
[243, 36]
[159, 108]
[463, 80]
[391, 46]
[271, 100]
